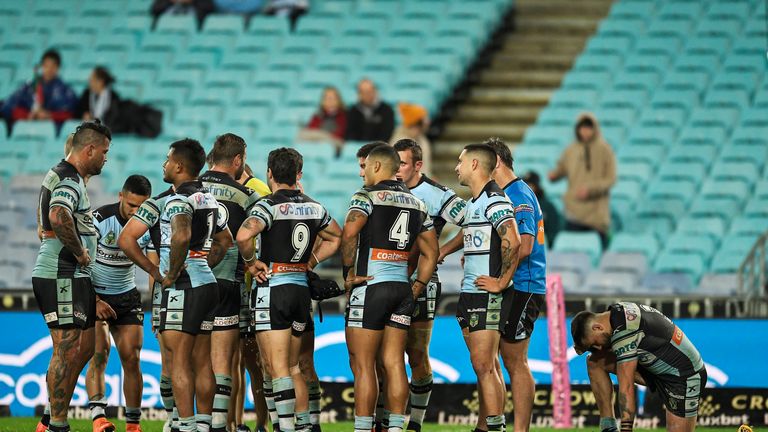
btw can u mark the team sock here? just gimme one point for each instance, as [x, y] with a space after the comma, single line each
[203, 422]
[495, 423]
[608, 423]
[302, 421]
[166, 394]
[385, 420]
[46, 418]
[285, 403]
[396, 422]
[54, 426]
[221, 402]
[313, 388]
[97, 408]
[132, 415]
[187, 424]
[269, 397]
[421, 390]
[175, 421]
[480, 430]
[363, 423]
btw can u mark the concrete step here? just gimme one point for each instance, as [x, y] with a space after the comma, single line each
[515, 78]
[505, 96]
[496, 114]
[525, 62]
[566, 26]
[583, 8]
[473, 132]
[513, 46]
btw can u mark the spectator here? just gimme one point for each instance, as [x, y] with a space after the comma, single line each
[201, 8]
[329, 123]
[415, 125]
[552, 223]
[370, 119]
[292, 9]
[46, 97]
[98, 101]
[590, 166]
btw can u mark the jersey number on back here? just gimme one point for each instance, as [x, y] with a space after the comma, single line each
[300, 240]
[399, 231]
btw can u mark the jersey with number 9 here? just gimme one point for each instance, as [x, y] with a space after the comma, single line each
[292, 221]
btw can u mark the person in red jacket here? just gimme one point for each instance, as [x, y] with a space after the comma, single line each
[46, 97]
[331, 115]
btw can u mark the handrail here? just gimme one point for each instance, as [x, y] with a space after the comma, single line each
[752, 272]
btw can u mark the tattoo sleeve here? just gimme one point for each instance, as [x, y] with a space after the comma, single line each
[625, 373]
[350, 237]
[63, 224]
[181, 232]
[510, 248]
[217, 252]
[250, 228]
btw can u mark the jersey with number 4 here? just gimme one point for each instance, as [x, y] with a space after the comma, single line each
[482, 243]
[644, 334]
[292, 221]
[193, 200]
[395, 219]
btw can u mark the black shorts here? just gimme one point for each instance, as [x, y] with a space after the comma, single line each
[157, 302]
[66, 303]
[681, 395]
[484, 311]
[311, 321]
[525, 309]
[226, 316]
[189, 310]
[282, 307]
[246, 323]
[378, 305]
[127, 306]
[424, 310]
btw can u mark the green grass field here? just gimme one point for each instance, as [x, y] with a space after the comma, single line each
[27, 424]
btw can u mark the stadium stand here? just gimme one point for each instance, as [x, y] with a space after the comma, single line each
[680, 88]
[255, 78]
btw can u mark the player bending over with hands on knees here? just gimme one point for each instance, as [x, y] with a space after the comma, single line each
[640, 345]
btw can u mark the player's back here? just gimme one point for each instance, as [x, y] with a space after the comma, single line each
[395, 219]
[530, 275]
[113, 271]
[482, 243]
[64, 187]
[193, 200]
[644, 333]
[292, 221]
[442, 203]
[235, 200]
[149, 214]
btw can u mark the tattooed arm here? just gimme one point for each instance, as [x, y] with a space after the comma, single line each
[625, 372]
[128, 242]
[181, 233]
[63, 225]
[250, 228]
[222, 241]
[350, 236]
[510, 248]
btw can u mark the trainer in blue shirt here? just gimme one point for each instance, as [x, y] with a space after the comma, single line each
[529, 282]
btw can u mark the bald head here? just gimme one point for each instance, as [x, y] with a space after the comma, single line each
[366, 92]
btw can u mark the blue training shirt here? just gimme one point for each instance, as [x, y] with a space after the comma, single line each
[531, 273]
[113, 273]
[482, 243]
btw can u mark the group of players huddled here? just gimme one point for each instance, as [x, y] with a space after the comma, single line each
[231, 262]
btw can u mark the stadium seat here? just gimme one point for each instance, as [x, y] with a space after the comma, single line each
[687, 243]
[704, 154]
[599, 282]
[585, 242]
[718, 285]
[726, 262]
[745, 172]
[756, 208]
[665, 283]
[33, 130]
[687, 171]
[710, 226]
[696, 80]
[576, 262]
[635, 263]
[690, 264]
[648, 155]
[755, 135]
[659, 191]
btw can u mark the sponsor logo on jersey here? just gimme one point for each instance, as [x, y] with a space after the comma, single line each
[388, 255]
[288, 268]
[499, 215]
[677, 336]
[81, 316]
[457, 209]
[50, 317]
[226, 321]
[149, 216]
[298, 209]
[524, 208]
[399, 198]
[474, 320]
[299, 327]
[109, 239]
[206, 326]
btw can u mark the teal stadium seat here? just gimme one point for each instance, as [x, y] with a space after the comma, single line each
[645, 243]
[707, 63]
[584, 242]
[703, 153]
[696, 80]
[714, 135]
[750, 135]
[631, 9]
[724, 118]
[609, 44]
[707, 44]
[745, 172]
[726, 262]
[704, 247]
[623, 26]
[705, 207]
[748, 226]
[689, 264]
[735, 190]
[586, 80]
[665, 117]
[33, 130]
[713, 227]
